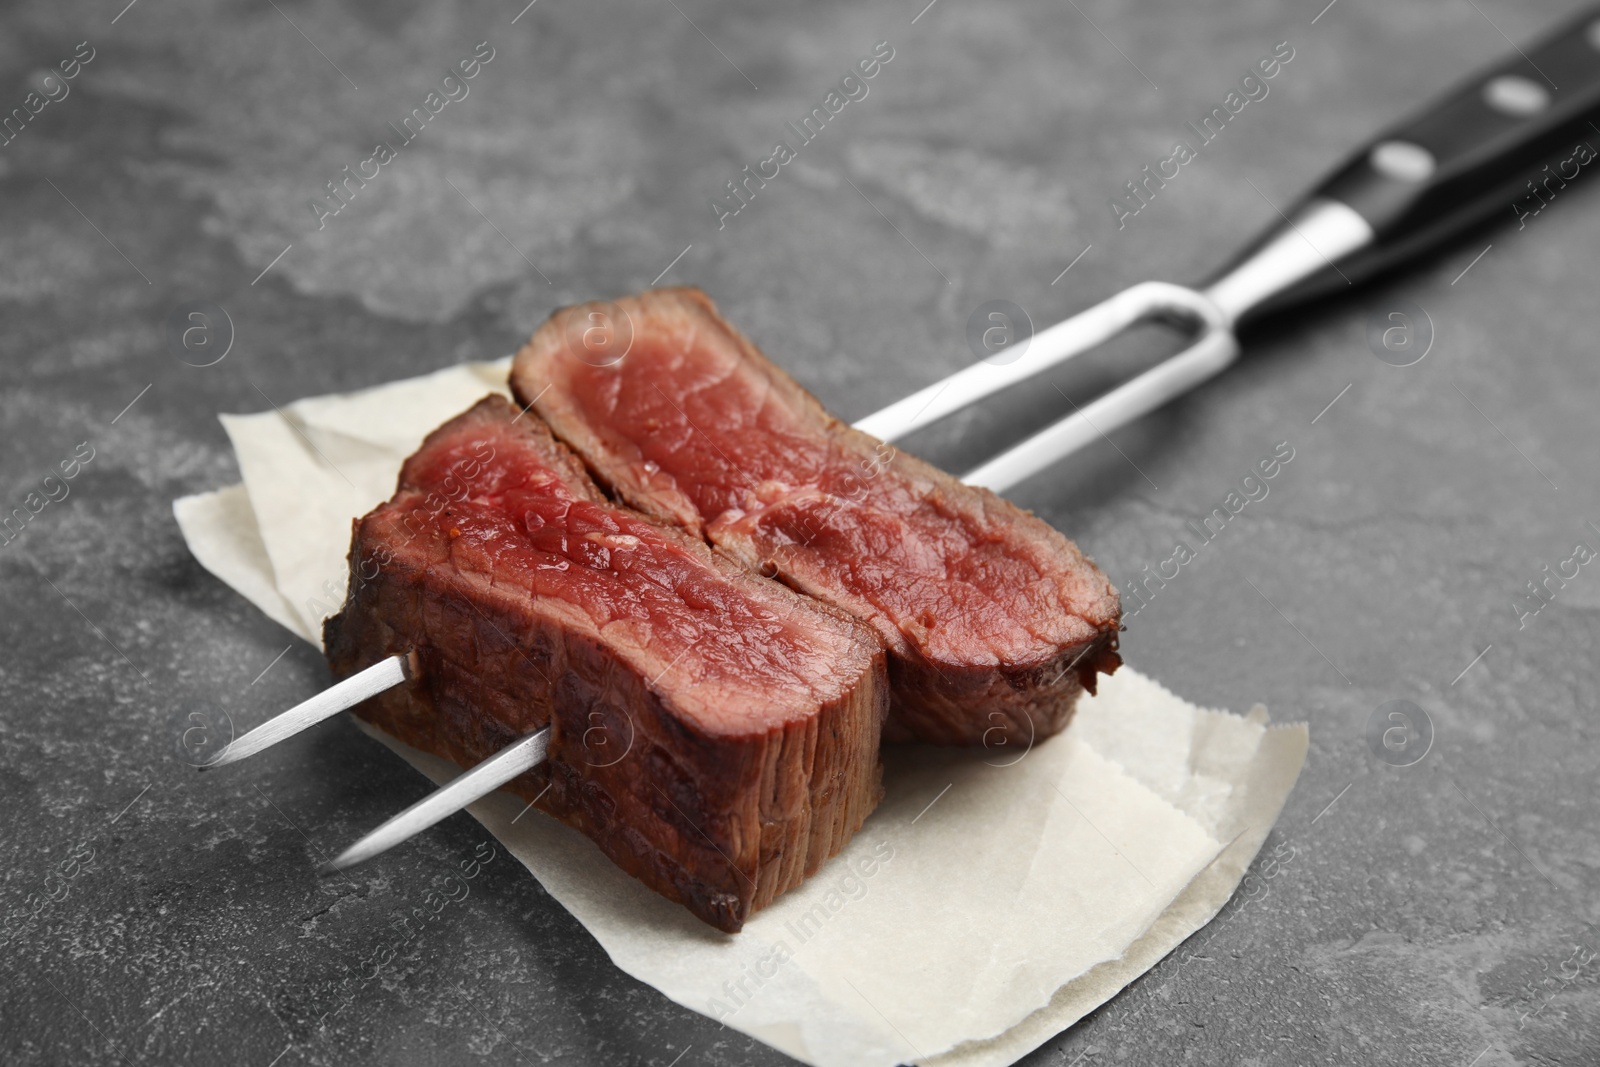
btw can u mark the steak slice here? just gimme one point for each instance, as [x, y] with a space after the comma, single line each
[994, 621]
[715, 733]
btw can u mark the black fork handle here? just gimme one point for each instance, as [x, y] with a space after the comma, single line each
[1506, 141]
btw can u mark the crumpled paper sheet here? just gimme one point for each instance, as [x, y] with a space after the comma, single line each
[992, 900]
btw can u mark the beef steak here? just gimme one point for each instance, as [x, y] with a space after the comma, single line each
[715, 733]
[994, 621]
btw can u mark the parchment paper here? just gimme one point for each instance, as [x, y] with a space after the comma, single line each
[992, 900]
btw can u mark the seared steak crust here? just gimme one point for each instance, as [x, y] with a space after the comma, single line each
[994, 621]
[714, 733]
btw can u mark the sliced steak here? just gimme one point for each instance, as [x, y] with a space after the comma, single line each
[994, 621]
[716, 734]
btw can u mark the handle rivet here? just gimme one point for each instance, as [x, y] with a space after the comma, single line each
[1510, 94]
[1403, 161]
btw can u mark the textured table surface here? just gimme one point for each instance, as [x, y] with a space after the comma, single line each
[1439, 913]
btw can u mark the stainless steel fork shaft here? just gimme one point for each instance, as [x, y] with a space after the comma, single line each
[1321, 234]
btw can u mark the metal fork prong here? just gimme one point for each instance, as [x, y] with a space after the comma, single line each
[1071, 337]
[445, 801]
[385, 674]
[1210, 353]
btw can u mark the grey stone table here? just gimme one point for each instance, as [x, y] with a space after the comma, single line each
[1439, 913]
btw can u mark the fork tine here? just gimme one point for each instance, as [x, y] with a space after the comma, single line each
[1208, 355]
[1071, 337]
[445, 801]
[385, 674]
